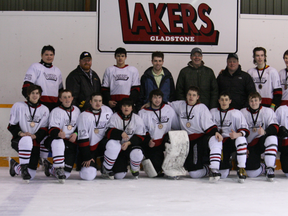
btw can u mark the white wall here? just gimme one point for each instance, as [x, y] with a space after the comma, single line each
[23, 34]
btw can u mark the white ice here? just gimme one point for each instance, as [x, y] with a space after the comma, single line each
[145, 196]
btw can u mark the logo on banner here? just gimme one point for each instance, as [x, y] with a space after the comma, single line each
[149, 27]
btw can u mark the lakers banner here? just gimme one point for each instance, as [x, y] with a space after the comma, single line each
[169, 26]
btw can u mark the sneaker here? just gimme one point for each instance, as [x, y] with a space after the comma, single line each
[24, 172]
[13, 164]
[60, 174]
[270, 174]
[241, 173]
[135, 173]
[107, 173]
[214, 175]
[47, 167]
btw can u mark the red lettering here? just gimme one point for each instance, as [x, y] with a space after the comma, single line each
[202, 9]
[189, 17]
[140, 20]
[156, 17]
[174, 19]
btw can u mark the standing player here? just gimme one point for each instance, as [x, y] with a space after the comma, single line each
[283, 80]
[159, 118]
[263, 129]
[92, 125]
[233, 127]
[196, 119]
[45, 75]
[266, 79]
[120, 81]
[125, 133]
[28, 124]
[63, 135]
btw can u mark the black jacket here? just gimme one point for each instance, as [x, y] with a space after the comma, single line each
[239, 85]
[81, 87]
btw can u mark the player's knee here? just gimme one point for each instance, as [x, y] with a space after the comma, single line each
[271, 140]
[25, 143]
[58, 145]
[120, 175]
[214, 143]
[113, 145]
[88, 173]
[240, 140]
[197, 173]
[136, 155]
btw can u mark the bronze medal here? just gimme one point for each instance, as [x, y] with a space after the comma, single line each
[254, 129]
[188, 124]
[96, 130]
[260, 86]
[69, 127]
[32, 124]
[160, 126]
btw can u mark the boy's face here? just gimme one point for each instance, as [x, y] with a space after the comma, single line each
[96, 102]
[120, 59]
[254, 103]
[192, 97]
[34, 96]
[156, 101]
[286, 60]
[259, 57]
[224, 102]
[126, 109]
[157, 63]
[48, 56]
[66, 99]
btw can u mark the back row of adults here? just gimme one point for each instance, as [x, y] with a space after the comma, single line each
[122, 80]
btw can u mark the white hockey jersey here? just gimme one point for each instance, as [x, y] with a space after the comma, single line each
[284, 85]
[50, 80]
[282, 118]
[158, 125]
[265, 118]
[121, 81]
[21, 115]
[232, 119]
[59, 118]
[269, 81]
[86, 124]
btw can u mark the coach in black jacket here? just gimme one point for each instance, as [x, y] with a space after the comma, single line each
[83, 81]
[237, 82]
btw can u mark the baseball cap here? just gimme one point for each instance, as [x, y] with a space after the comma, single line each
[85, 55]
[196, 49]
[232, 55]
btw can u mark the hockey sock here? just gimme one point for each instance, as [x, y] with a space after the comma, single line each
[25, 146]
[120, 175]
[241, 146]
[198, 173]
[136, 157]
[224, 173]
[88, 173]
[215, 153]
[113, 148]
[58, 148]
[255, 173]
[43, 151]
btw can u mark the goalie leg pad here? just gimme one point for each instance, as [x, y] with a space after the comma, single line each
[148, 168]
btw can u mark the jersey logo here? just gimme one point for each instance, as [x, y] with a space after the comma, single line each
[284, 82]
[28, 77]
[226, 123]
[258, 80]
[72, 123]
[36, 119]
[101, 125]
[257, 125]
[129, 131]
[52, 77]
[164, 119]
[123, 77]
[184, 116]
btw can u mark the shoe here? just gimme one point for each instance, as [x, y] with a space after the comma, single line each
[135, 173]
[270, 174]
[13, 164]
[214, 175]
[241, 173]
[60, 174]
[107, 173]
[47, 167]
[24, 172]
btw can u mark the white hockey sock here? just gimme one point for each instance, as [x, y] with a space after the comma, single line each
[198, 173]
[136, 156]
[25, 146]
[88, 173]
[241, 146]
[215, 153]
[67, 174]
[111, 153]
[43, 151]
[120, 175]
[270, 144]
[255, 173]
[58, 148]
[224, 173]
[32, 173]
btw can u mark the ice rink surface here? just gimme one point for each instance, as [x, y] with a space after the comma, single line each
[145, 196]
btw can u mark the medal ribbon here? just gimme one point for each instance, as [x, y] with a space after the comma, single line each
[260, 77]
[97, 121]
[32, 116]
[255, 121]
[159, 117]
[222, 120]
[125, 126]
[70, 116]
[188, 115]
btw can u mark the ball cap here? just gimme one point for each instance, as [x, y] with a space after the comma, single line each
[196, 49]
[85, 55]
[232, 55]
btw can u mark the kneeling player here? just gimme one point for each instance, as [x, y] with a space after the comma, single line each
[233, 127]
[125, 133]
[63, 135]
[92, 125]
[28, 124]
[159, 118]
[263, 127]
[203, 134]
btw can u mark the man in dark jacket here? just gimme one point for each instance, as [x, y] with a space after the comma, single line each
[83, 81]
[196, 74]
[155, 77]
[235, 81]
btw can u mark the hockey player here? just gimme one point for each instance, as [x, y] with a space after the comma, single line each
[28, 124]
[159, 119]
[125, 133]
[120, 81]
[282, 116]
[196, 119]
[266, 79]
[91, 126]
[263, 127]
[45, 75]
[233, 127]
[62, 139]
[283, 80]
